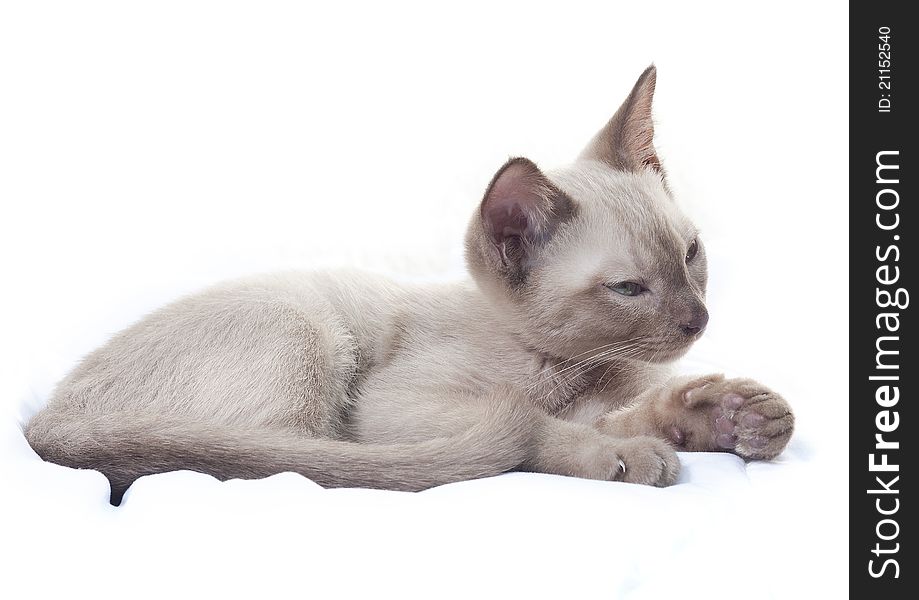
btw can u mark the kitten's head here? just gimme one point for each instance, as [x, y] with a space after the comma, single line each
[596, 254]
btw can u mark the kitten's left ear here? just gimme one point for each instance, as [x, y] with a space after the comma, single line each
[627, 141]
[518, 216]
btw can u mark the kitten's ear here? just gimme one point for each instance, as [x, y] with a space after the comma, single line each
[627, 141]
[519, 214]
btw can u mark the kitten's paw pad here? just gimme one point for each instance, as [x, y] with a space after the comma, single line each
[764, 427]
[740, 416]
[646, 460]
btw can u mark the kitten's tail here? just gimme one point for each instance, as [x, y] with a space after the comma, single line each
[126, 446]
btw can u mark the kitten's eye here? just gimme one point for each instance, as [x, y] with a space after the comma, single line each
[627, 288]
[692, 251]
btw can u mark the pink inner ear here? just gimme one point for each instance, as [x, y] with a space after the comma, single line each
[513, 201]
[627, 141]
[506, 220]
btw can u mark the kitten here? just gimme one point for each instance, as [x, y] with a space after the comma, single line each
[588, 281]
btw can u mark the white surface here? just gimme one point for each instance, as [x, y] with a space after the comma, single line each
[149, 149]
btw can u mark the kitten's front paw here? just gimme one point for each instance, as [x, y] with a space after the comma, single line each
[643, 459]
[734, 415]
[646, 460]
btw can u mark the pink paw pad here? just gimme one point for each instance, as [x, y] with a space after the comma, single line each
[724, 422]
[753, 419]
[734, 415]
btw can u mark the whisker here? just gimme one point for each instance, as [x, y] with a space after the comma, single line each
[605, 373]
[618, 346]
[632, 352]
[626, 350]
[575, 356]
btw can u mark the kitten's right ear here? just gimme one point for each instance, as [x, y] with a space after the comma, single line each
[519, 214]
[627, 141]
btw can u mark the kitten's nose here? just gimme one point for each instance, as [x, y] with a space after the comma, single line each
[696, 324]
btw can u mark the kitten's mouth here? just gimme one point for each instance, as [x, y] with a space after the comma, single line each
[666, 356]
[670, 353]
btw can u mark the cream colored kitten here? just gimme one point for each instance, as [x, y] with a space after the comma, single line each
[588, 281]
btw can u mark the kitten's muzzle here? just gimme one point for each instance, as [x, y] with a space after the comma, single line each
[695, 325]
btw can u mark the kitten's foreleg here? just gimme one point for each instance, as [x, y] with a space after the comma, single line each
[708, 413]
[386, 415]
[566, 448]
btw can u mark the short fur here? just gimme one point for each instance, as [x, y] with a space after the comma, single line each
[354, 380]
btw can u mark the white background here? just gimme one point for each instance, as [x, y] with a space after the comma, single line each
[147, 149]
